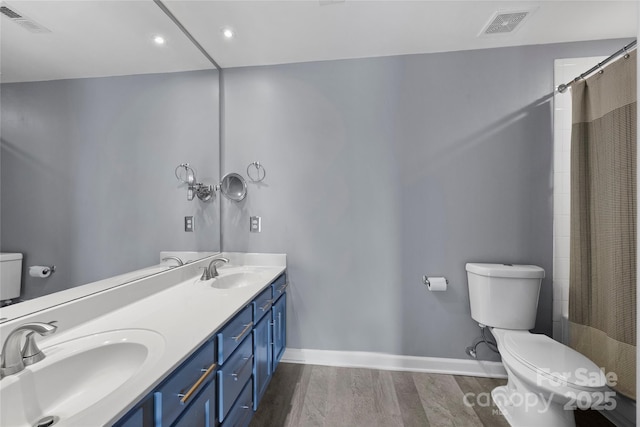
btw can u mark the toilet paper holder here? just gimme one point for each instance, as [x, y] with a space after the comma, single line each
[41, 270]
[434, 283]
[425, 280]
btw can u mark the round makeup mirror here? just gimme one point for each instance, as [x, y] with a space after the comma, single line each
[234, 187]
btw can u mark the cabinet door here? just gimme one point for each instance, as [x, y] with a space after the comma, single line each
[202, 412]
[184, 384]
[140, 416]
[262, 359]
[242, 411]
[279, 319]
[233, 375]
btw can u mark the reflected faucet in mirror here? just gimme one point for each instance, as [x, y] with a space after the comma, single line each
[175, 258]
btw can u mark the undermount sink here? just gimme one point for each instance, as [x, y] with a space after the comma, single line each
[240, 277]
[234, 280]
[77, 374]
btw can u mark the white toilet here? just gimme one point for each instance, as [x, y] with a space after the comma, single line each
[546, 379]
[10, 276]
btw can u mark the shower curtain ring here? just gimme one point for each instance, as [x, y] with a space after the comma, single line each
[600, 70]
[626, 53]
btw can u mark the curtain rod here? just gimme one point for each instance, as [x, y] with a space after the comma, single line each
[563, 87]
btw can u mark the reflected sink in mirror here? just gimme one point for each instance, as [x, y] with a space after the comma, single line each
[77, 374]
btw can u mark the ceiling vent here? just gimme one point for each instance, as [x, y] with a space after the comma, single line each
[505, 22]
[20, 19]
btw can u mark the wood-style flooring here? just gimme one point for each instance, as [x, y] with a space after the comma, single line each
[310, 395]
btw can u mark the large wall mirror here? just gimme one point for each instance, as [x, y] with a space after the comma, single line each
[97, 113]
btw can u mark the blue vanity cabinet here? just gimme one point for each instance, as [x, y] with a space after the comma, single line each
[262, 353]
[140, 416]
[234, 332]
[279, 286]
[262, 370]
[241, 413]
[186, 398]
[262, 305]
[189, 391]
[235, 354]
[202, 412]
[279, 316]
[233, 376]
[222, 382]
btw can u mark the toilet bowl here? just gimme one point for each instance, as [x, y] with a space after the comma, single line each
[546, 379]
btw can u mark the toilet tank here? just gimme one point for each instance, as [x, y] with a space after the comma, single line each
[504, 295]
[10, 275]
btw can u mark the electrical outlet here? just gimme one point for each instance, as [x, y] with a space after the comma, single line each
[188, 224]
[255, 224]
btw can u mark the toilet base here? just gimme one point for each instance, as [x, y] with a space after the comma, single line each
[530, 409]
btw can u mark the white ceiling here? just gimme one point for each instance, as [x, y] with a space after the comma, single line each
[92, 39]
[275, 32]
[111, 37]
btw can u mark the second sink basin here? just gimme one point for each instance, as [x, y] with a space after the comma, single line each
[76, 374]
[234, 280]
[240, 277]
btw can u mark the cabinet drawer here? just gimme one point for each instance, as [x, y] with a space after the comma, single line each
[185, 383]
[233, 375]
[279, 286]
[262, 305]
[241, 413]
[234, 332]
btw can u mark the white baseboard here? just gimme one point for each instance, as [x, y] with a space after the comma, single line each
[392, 362]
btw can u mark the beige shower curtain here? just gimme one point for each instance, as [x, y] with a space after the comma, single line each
[602, 291]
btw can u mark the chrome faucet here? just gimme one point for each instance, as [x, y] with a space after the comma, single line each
[212, 269]
[13, 358]
[175, 258]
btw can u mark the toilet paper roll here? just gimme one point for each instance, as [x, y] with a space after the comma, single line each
[39, 271]
[436, 283]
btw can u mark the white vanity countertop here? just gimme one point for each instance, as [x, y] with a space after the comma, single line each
[186, 315]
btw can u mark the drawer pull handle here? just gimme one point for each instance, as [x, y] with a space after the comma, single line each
[283, 287]
[247, 327]
[246, 414]
[266, 305]
[187, 395]
[237, 372]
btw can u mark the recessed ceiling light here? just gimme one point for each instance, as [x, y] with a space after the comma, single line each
[159, 40]
[228, 33]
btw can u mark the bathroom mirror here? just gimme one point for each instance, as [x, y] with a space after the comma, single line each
[100, 101]
[234, 187]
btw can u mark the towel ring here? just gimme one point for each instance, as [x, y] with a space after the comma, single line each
[185, 173]
[260, 176]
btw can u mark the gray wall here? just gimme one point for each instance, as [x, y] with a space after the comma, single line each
[382, 170]
[87, 172]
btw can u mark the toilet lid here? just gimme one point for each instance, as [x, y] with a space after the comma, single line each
[554, 360]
